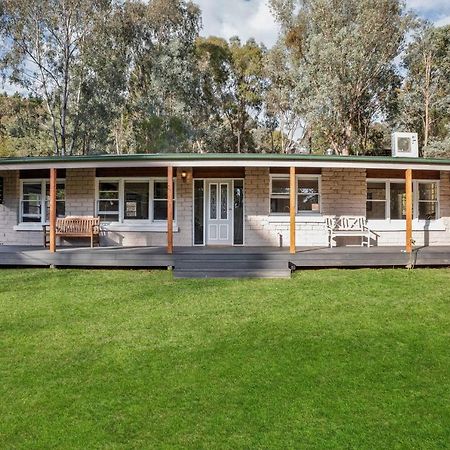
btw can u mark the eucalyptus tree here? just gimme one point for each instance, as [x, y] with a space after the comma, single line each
[345, 53]
[46, 41]
[232, 86]
[424, 104]
[284, 100]
[162, 87]
[114, 75]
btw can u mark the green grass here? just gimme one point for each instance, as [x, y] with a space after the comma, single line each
[134, 359]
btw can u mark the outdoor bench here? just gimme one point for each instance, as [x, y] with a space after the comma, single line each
[348, 226]
[75, 227]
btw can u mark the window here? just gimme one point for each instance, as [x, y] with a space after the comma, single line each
[35, 201]
[308, 198]
[397, 203]
[160, 200]
[308, 194]
[128, 200]
[279, 196]
[386, 200]
[376, 200]
[60, 200]
[427, 204]
[108, 201]
[136, 195]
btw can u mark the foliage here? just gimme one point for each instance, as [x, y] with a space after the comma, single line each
[232, 86]
[134, 76]
[23, 127]
[283, 99]
[424, 103]
[345, 56]
[99, 65]
[135, 359]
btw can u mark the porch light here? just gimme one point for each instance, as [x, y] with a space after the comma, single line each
[184, 175]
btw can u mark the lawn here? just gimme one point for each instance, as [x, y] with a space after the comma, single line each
[134, 359]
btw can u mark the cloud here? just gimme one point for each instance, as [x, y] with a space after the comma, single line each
[243, 18]
[444, 21]
[252, 18]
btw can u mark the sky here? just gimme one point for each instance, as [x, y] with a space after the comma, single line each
[252, 18]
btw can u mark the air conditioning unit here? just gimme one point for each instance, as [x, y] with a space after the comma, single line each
[405, 145]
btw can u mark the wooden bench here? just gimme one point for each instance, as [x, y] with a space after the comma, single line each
[75, 227]
[348, 226]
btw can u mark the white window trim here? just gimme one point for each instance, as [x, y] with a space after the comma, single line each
[43, 182]
[276, 176]
[387, 219]
[138, 224]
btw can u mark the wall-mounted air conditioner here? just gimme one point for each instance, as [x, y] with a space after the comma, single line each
[405, 144]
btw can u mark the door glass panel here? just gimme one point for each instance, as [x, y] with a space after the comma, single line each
[224, 201]
[213, 201]
[238, 206]
[198, 211]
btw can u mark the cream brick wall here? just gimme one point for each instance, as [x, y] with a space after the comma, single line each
[343, 192]
[80, 200]
[80, 192]
[183, 228]
[261, 229]
[9, 210]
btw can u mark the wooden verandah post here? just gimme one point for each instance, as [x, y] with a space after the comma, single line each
[52, 218]
[409, 210]
[170, 209]
[292, 194]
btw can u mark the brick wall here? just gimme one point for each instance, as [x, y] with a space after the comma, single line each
[184, 207]
[9, 211]
[445, 195]
[80, 192]
[344, 192]
[262, 229]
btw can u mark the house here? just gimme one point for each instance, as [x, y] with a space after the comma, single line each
[228, 199]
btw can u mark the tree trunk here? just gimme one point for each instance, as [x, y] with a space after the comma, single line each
[426, 131]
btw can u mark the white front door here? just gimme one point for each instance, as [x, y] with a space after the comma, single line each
[219, 213]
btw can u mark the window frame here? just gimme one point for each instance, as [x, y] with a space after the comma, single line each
[416, 183]
[386, 196]
[416, 199]
[298, 177]
[43, 202]
[121, 181]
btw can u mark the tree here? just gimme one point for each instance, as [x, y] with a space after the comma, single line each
[47, 40]
[424, 104]
[283, 101]
[23, 127]
[345, 55]
[232, 85]
[162, 86]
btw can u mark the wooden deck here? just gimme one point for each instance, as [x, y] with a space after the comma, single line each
[223, 262]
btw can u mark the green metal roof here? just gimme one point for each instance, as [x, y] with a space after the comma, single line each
[217, 157]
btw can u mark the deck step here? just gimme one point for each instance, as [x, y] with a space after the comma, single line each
[231, 273]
